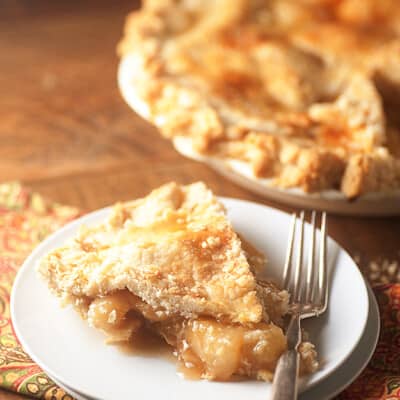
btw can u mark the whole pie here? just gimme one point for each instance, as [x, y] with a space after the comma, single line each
[171, 264]
[298, 94]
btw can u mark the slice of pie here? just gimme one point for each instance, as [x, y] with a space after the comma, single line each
[171, 263]
[292, 94]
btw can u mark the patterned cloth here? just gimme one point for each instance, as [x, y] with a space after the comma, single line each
[26, 219]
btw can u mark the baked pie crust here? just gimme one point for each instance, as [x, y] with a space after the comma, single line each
[171, 263]
[302, 93]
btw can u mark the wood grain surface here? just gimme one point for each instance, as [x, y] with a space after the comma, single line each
[66, 132]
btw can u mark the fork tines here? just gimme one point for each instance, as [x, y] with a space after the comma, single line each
[308, 288]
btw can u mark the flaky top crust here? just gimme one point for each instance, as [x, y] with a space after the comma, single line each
[175, 249]
[296, 90]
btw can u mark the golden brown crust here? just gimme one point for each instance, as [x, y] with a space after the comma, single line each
[301, 74]
[174, 249]
[376, 172]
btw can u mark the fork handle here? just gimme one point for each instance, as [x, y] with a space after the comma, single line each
[284, 386]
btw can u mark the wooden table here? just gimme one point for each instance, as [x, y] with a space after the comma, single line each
[66, 132]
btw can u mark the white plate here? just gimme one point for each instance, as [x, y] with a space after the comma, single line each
[68, 349]
[343, 376]
[334, 201]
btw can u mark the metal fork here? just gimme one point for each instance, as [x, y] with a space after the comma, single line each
[309, 299]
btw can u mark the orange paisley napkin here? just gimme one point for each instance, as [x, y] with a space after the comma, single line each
[26, 219]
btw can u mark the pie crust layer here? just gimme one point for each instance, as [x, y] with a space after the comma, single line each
[304, 93]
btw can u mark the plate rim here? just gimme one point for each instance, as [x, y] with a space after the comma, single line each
[373, 305]
[30, 262]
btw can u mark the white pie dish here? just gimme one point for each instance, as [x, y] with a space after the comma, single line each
[75, 354]
[334, 201]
